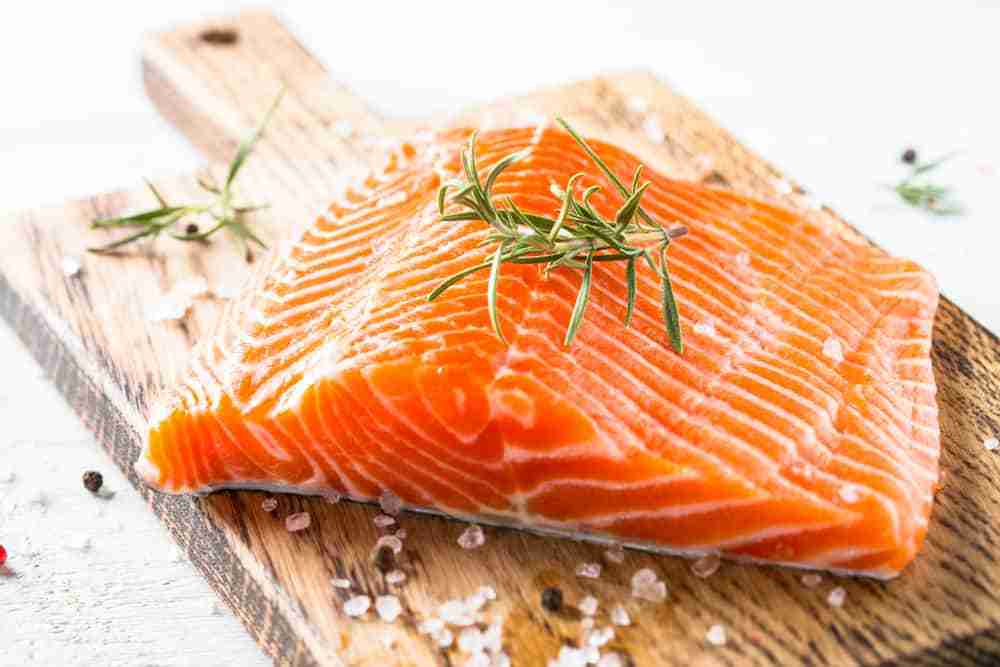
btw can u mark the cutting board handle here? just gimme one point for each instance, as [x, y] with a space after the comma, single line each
[196, 75]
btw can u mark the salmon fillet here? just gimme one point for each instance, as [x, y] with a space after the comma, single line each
[799, 426]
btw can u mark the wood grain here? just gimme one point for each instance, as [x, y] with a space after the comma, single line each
[93, 333]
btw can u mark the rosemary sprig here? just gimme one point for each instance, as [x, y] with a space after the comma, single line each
[176, 220]
[576, 238]
[918, 192]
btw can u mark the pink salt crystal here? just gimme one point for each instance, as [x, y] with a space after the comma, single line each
[390, 502]
[298, 521]
[589, 570]
[706, 566]
[472, 538]
[269, 504]
[384, 520]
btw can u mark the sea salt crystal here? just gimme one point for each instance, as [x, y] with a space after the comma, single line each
[445, 638]
[357, 605]
[991, 444]
[475, 602]
[589, 570]
[501, 659]
[706, 566]
[654, 131]
[716, 635]
[612, 659]
[269, 504]
[615, 554]
[454, 612]
[341, 583]
[298, 521]
[487, 592]
[472, 538]
[395, 577]
[588, 605]
[390, 541]
[743, 258]
[70, 266]
[833, 350]
[849, 493]
[619, 616]
[390, 503]
[811, 580]
[601, 637]
[343, 128]
[704, 328]
[569, 656]
[782, 186]
[430, 626]
[646, 586]
[836, 597]
[384, 520]
[587, 623]
[493, 638]
[637, 104]
[470, 640]
[388, 607]
[478, 659]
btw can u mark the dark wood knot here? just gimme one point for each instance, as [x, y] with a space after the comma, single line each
[219, 36]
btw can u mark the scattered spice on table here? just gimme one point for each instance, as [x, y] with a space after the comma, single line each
[552, 599]
[93, 481]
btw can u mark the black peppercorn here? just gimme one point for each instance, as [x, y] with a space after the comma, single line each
[191, 229]
[909, 156]
[93, 481]
[552, 599]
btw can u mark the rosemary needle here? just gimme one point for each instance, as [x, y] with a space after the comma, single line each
[918, 192]
[175, 219]
[575, 239]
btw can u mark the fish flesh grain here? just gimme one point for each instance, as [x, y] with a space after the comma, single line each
[798, 427]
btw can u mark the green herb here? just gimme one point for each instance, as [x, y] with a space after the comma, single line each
[576, 238]
[176, 220]
[919, 192]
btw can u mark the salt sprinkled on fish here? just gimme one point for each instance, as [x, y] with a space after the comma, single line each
[70, 266]
[833, 350]
[704, 328]
[619, 616]
[298, 521]
[836, 597]
[357, 605]
[716, 635]
[388, 608]
[589, 570]
[472, 538]
[706, 566]
[654, 131]
[811, 580]
[588, 605]
[390, 503]
[849, 493]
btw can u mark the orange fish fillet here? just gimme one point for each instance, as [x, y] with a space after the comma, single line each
[798, 427]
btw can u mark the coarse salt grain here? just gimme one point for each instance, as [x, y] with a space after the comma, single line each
[454, 612]
[743, 258]
[991, 444]
[470, 640]
[849, 493]
[357, 605]
[833, 350]
[445, 638]
[487, 592]
[391, 503]
[836, 597]
[811, 580]
[637, 104]
[384, 520]
[390, 541]
[430, 626]
[388, 607]
[619, 616]
[589, 570]
[298, 521]
[716, 635]
[493, 638]
[646, 586]
[654, 131]
[269, 504]
[341, 583]
[478, 659]
[706, 566]
[569, 656]
[612, 659]
[587, 623]
[601, 637]
[588, 605]
[475, 602]
[70, 266]
[395, 577]
[615, 554]
[472, 538]
[704, 328]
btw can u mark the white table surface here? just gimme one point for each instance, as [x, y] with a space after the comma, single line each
[830, 92]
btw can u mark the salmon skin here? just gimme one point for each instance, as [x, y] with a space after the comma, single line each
[798, 427]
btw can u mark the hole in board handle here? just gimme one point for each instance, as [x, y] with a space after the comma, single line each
[219, 36]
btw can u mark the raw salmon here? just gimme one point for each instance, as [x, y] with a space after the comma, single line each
[799, 426]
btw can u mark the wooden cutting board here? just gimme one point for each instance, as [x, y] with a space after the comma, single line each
[92, 335]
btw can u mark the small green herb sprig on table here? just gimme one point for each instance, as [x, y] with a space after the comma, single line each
[576, 238]
[919, 192]
[178, 220]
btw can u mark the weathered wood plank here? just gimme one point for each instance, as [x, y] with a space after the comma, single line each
[93, 333]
